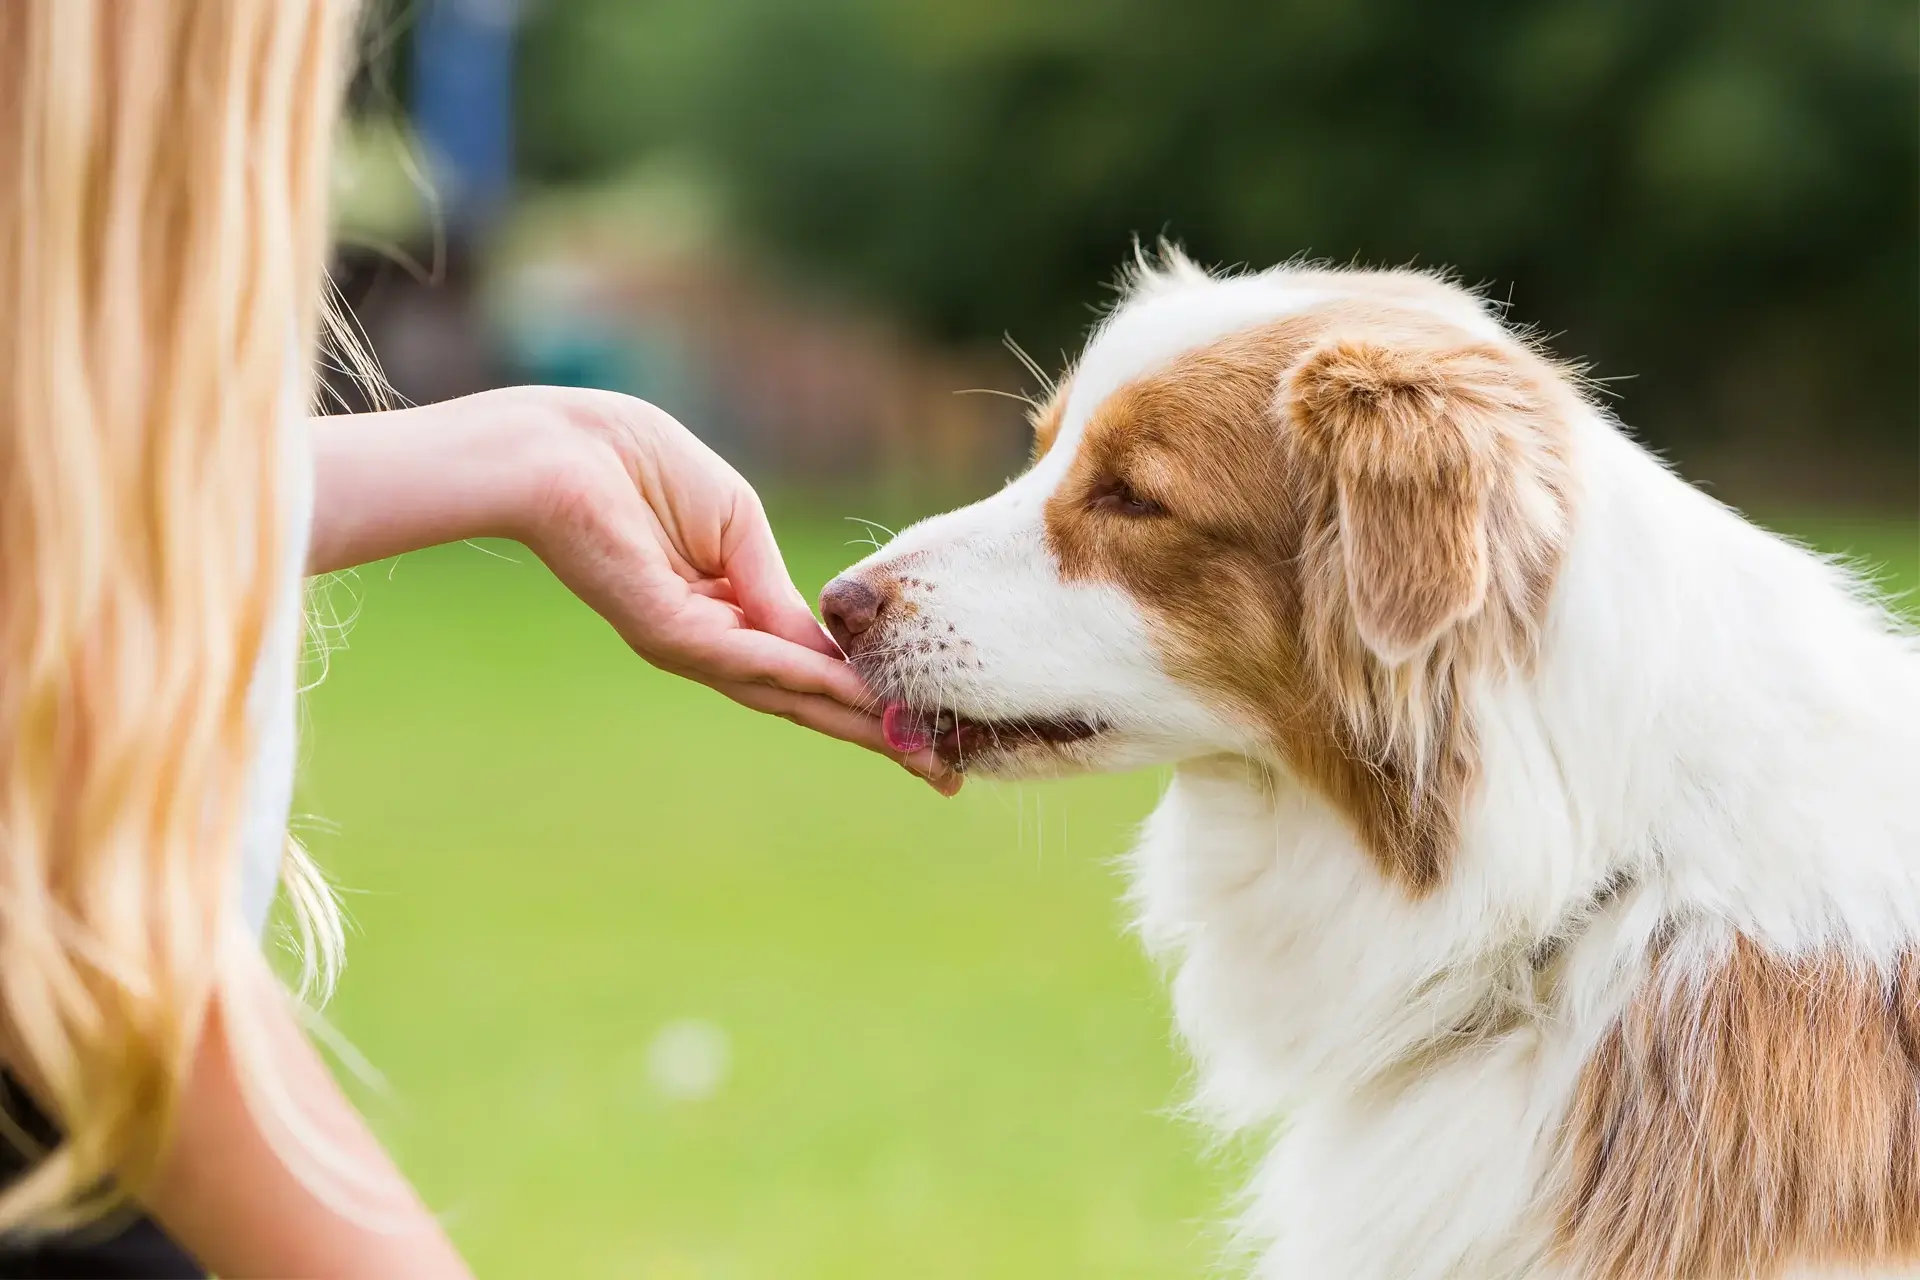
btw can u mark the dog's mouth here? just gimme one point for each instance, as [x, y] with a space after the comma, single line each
[956, 738]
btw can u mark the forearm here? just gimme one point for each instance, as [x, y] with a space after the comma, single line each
[627, 508]
[386, 483]
[228, 1197]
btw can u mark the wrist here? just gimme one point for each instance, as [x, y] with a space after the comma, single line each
[570, 444]
[527, 443]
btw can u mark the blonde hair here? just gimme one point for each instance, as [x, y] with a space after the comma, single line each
[163, 171]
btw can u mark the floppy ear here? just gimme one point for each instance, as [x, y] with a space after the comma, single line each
[1407, 437]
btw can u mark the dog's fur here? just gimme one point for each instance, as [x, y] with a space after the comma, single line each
[1542, 860]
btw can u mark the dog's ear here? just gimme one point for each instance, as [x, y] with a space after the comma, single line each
[1409, 439]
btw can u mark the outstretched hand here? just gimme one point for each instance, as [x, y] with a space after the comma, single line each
[668, 543]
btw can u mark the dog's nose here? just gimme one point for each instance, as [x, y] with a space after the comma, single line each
[850, 607]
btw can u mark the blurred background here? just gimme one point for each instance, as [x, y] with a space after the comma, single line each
[661, 990]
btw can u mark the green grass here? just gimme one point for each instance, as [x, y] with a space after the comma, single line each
[947, 1057]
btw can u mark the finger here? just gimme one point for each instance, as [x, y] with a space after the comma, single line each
[713, 589]
[761, 583]
[824, 715]
[741, 656]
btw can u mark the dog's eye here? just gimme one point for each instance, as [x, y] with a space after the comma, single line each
[1117, 496]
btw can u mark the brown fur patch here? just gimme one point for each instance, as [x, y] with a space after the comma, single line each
[1328, 479]
[1742, 1120]
[1409, 469]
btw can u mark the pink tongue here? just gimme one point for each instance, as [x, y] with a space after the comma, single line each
[903, 729]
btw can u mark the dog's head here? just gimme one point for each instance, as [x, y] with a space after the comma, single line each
[1287, 516]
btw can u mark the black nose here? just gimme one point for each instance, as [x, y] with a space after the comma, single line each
[850, 607]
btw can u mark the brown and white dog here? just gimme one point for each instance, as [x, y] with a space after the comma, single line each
[1542, 859]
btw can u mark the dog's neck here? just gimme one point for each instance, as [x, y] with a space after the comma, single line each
[1726, 719]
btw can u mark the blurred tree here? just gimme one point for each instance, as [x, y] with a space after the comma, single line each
[1720, 197]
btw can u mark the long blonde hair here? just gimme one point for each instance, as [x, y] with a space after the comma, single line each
[163, 172]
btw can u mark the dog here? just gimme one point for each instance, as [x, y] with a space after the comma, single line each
[1541, 861]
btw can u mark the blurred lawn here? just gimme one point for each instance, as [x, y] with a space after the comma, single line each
[946, 1057]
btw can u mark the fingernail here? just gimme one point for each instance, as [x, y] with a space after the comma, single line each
[934, 771]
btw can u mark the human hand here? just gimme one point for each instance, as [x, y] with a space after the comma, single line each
[671, 546]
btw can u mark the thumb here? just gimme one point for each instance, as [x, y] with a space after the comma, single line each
[758, 573]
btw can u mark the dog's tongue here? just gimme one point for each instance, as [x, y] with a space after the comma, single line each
[903, 729]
